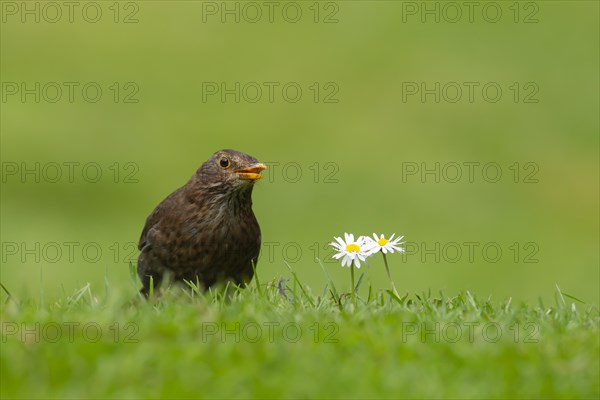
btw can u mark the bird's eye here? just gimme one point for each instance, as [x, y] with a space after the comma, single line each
[224, 162]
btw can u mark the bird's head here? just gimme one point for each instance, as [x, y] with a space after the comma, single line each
[230, 168]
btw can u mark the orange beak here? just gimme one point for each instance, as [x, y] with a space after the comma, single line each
[251, 173]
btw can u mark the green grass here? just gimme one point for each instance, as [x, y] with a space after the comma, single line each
[281, 339]
[367, 137]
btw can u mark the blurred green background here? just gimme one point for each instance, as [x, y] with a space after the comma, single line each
[151, 130]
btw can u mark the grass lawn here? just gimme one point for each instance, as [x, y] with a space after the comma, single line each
[470, 127]
[283, 340]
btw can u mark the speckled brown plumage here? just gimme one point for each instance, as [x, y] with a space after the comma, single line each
[206, 229]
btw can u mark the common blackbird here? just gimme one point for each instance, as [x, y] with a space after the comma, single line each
[205, 231]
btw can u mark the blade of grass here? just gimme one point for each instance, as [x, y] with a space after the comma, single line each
[151, 291]
[562, 299]
[300, 284]
[335, 294]
[256, 280]
[360, 279]
[132, 273]
[567, 295]
[573, 298]
[106, 283]
[42, 301]
[394, 296]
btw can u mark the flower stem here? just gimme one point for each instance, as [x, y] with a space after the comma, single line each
[352, 281]
[387, 268]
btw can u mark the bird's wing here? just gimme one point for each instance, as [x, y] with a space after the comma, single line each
[154, 219]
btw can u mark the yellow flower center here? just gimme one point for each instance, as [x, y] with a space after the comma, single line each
[382, 241]
[352, 247]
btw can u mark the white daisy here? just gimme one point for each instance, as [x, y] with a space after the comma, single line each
[385, 245]
[353, 251]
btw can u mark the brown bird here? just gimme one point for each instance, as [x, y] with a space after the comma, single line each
[205, 231]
